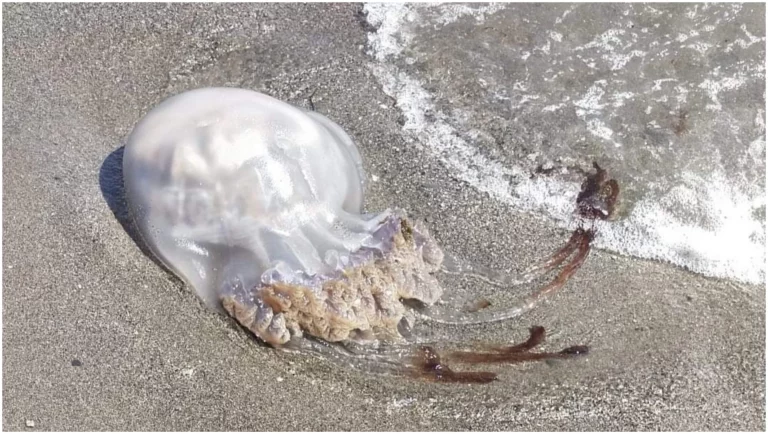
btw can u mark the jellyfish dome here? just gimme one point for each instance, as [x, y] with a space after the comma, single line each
[231, 188]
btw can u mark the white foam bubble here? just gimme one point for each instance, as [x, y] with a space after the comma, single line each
[719, 237]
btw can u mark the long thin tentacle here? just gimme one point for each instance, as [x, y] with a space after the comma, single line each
[582, 238]
[411, 360]
[452, 265]
[384, 362]
[426, 362]
[516, 353]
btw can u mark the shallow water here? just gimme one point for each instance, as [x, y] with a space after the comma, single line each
[669, 98]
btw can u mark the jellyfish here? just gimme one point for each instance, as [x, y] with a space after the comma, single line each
[257, 205]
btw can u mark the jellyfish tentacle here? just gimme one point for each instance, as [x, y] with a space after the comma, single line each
[516, 353]
[536, 336]
[424, 361]
[368, 361]
[581, 238]
[411, 360]
[584, 248]
[452, 265]
[430, 366]
[574, 244]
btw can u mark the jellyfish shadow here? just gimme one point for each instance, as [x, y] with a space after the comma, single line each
[113, 192]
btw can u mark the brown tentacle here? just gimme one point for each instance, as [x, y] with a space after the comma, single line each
[537, 334]
[501, 278]
[429, 364]
[559, 256]
[581, 239]
[516, 357]
[516, 353]
[584, 247]
[430, 367]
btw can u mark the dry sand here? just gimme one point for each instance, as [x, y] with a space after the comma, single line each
[670, 350]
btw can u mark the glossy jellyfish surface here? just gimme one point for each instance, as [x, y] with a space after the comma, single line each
[230, 187]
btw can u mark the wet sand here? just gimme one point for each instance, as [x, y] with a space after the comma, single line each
[96, 336]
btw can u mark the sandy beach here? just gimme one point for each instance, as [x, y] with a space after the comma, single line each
[96, 336]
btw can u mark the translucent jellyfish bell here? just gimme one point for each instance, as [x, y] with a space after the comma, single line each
[230, 187]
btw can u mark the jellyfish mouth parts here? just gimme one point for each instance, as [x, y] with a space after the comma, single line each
[431, 365]
[361, 302]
